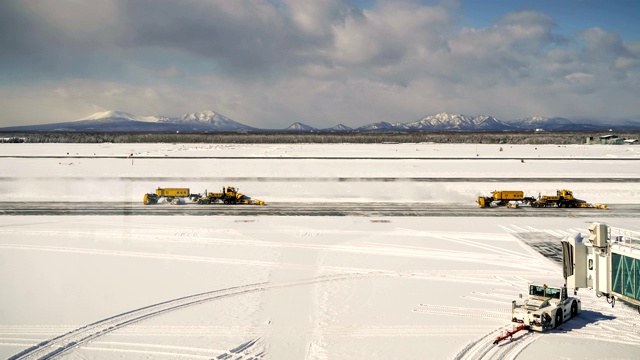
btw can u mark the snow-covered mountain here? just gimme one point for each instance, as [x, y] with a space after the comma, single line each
[120, 121]
[338, 128]
[106, 121]
[204, 120]
[444, 121]
[627, 125]
[543, 123]
[379, 126]
[298, 126]
[211, 121]
[123, 116]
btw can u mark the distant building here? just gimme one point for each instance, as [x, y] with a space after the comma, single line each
[610, 140]
[607, 137]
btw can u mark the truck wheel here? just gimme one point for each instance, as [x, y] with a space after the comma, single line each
[558, 318]
[574, 309]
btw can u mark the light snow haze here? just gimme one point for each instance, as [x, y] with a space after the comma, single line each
[271, 63]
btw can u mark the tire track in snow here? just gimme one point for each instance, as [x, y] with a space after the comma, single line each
[252, 349]
[463, 256]
[511, 350]
[189, 258]
[484, 348]
[485, 314]
[471, 351]
[62, 344]
[483, 299]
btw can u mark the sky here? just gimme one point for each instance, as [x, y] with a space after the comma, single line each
[270, 63]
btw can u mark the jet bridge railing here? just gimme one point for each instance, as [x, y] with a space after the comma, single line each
[624, 236]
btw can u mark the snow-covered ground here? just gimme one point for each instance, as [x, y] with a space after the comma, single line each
[318, 173]
[299, 287]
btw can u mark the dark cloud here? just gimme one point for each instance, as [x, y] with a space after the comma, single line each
[239, 36]
[253, 38]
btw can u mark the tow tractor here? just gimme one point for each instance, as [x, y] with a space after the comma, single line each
[545, 308]
[606, 262]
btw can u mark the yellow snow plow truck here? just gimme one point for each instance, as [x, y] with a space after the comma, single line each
[228, 195]
[563, 199]
[503, 198]
[172, 195]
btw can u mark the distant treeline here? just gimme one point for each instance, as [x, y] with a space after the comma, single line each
[316, 137]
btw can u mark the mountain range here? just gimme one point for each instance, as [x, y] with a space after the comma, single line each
[210, 121]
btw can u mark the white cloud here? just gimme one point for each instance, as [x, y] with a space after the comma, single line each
[269, 63]
[627, 62]
[578, 77]
[389, 33]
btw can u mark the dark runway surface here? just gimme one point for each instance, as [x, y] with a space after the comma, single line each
[307, 209]
[223, 179]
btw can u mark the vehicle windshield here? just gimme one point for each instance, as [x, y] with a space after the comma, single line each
[552, 293]
[537, 290]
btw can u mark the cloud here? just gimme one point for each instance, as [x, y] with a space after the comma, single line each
[578, 77]
[387, 34]
[170, 72]
[609, 55]
[269, 63]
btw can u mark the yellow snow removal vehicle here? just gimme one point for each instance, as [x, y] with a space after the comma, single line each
[228, 195]
[563, 199]
[172, 195]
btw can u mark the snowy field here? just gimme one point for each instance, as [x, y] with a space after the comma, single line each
[299, 287]
[318, 173]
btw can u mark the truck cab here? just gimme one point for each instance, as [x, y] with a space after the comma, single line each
[566, 194]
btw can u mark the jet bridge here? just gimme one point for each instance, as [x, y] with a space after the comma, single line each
[608, 262]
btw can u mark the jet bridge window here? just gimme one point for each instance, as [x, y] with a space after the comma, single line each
[625, 275]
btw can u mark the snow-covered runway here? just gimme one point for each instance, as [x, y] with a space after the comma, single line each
[365, 285]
